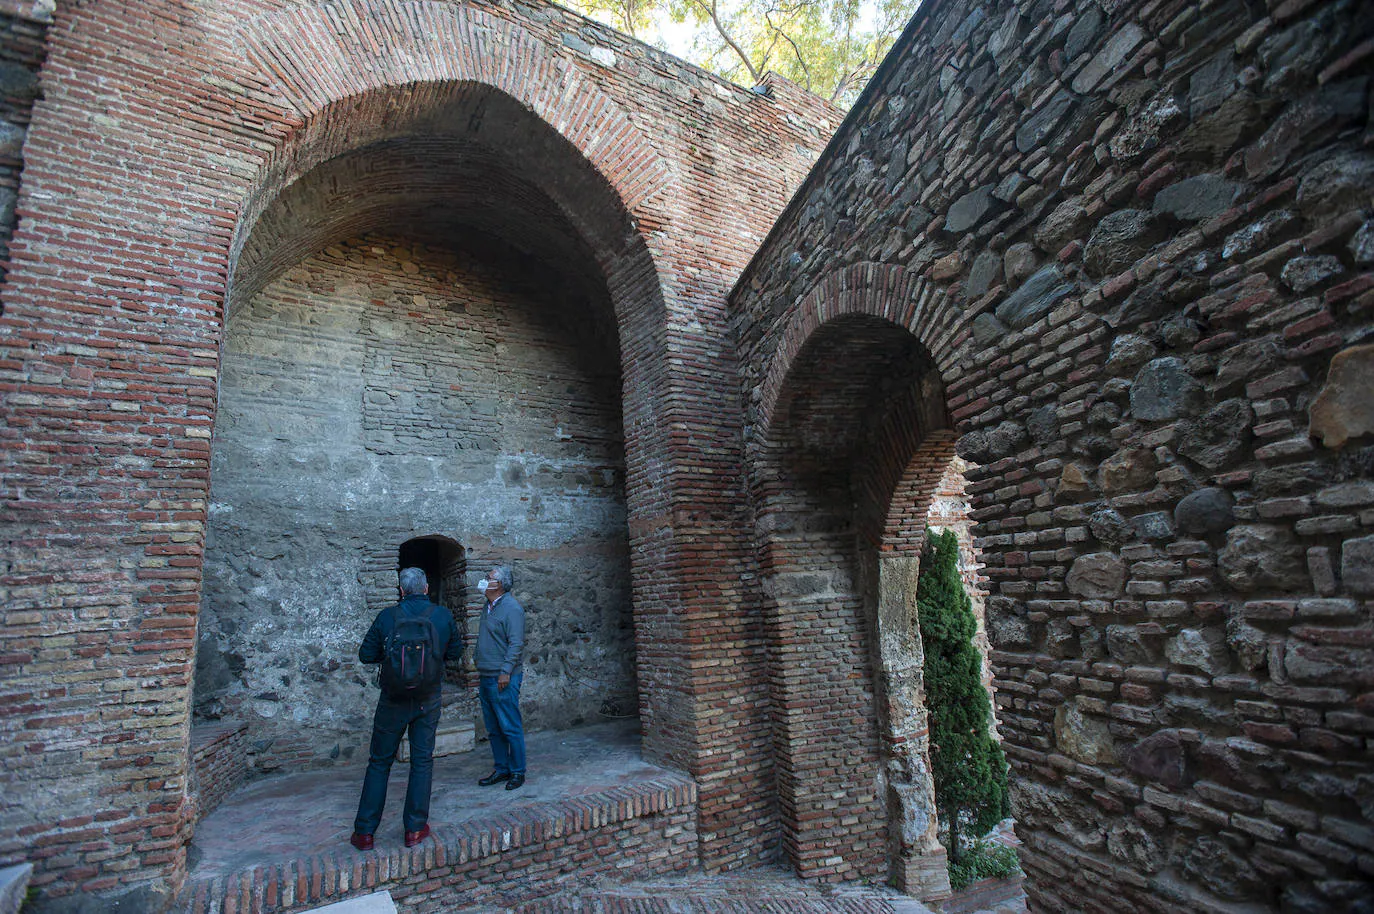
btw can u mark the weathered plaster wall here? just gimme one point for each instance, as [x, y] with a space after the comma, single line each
[1135, 239]
[385, 389]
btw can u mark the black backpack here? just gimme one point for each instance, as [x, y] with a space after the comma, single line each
[412, 663]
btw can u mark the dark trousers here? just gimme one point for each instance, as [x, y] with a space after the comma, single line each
[389, 724]
[501, 714]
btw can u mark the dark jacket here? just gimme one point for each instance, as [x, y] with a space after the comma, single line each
[450, 645]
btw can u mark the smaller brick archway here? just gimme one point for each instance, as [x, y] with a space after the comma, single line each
[444, 562]
[851, 438]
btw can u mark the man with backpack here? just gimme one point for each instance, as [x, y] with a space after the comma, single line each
[412, 641]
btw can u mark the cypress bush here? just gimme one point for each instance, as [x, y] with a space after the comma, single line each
[970, 772]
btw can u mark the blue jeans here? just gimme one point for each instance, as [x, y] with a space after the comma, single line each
[389, 724]
[501, 714]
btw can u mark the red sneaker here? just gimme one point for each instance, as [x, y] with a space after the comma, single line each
[414, 837]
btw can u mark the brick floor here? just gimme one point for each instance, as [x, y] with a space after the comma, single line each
[274, 820]
[296, 815]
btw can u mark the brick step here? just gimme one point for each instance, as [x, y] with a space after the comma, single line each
[677, 904]
[644, 826]
[996, 895]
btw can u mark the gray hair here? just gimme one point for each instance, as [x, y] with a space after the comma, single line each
[504, 577]
[413, 581]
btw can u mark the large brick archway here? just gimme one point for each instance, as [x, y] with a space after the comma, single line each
[426, 400]
[151, 169]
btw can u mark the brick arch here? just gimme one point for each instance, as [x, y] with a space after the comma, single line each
[358, 48]
[887, 291]
[870, 547]
[393, 70]
[904, 523]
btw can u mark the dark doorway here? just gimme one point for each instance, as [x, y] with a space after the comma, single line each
[444, 564]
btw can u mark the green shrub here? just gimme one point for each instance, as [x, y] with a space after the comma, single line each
[969, 769]
[983, 861]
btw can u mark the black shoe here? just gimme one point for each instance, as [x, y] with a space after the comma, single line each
[495, 777]
[515, 782]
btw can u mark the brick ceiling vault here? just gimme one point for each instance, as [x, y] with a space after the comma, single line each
[432, 188]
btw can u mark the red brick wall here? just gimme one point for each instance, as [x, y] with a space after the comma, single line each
[844, 476]
[219, 763]
[163, 134]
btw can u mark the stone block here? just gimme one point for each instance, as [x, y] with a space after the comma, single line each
[14, 883]
[1165, 389]
[1344, 410]
[1199, 197]
[1357, 565]
[376, 903]
[1035, 298]
[452, 738]
[1099, 575]
[1209, 510]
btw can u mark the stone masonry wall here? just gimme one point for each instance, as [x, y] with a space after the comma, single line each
[1135, 238]
[384, 389]
[164, 131]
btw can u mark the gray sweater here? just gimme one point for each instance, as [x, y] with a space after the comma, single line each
[501, 637]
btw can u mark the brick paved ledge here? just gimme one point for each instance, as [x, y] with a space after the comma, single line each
[631, 832]
[1007, 894]
[761, 890]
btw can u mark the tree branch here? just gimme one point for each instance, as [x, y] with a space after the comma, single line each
[796, 51]
[714, 15]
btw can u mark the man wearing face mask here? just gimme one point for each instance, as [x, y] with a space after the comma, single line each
[500, 644]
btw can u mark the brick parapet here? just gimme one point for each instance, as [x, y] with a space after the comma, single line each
[639, 831]
[219, 763]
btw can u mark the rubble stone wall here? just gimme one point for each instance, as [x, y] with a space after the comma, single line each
[1134, 238]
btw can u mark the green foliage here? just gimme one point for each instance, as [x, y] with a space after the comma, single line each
[829, 47]
[970, 772]
[632, 17]
[983, 861]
